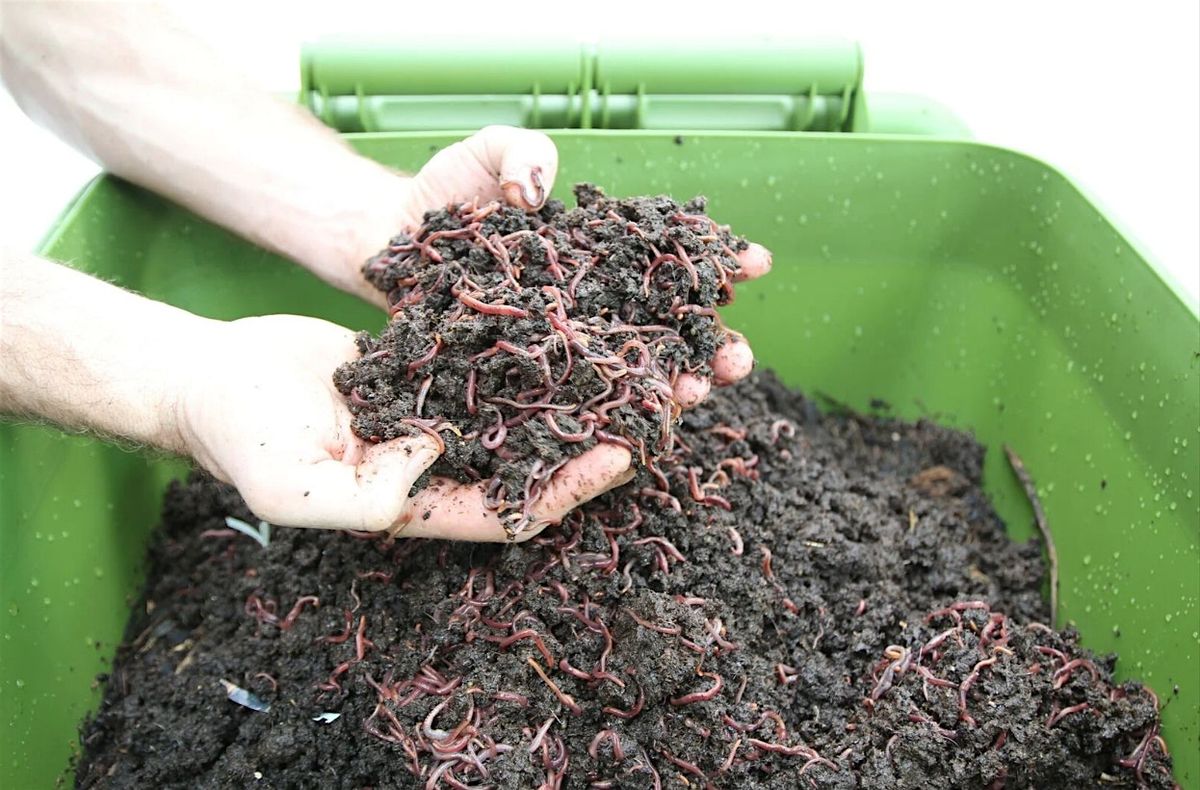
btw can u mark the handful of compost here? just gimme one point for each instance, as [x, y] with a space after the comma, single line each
[520, 340]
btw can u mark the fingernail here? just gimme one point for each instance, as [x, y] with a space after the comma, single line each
[528, 192]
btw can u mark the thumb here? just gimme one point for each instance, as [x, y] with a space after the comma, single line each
[518, 165]
[371, 495]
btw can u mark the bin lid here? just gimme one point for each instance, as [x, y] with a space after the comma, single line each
[372, 84]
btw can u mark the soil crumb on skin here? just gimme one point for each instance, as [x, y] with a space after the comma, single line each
[523, 339]
[806, 605]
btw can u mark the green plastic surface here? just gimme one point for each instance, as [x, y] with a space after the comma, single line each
[358, 85]
[958, 281]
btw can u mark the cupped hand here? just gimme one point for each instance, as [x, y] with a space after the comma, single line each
[261, 413]
[519, 166]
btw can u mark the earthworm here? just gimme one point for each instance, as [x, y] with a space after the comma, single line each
[701, 696]
[632, 712]
[564, 698]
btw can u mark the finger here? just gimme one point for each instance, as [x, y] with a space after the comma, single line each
[450, 510]
[733, 361]
[525, 162]
[497, 162]
[755, 261]
[456, 511]
[600, 469]
[690, 390]
[332, 494]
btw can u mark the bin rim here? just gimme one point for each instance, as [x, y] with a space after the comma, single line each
[1128, 236]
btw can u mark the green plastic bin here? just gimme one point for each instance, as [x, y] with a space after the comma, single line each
[958, 281]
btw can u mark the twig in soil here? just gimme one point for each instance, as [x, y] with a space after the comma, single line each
[1039, 517]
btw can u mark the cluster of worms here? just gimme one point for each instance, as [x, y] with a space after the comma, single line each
[542, 673]
[452, 726]
[588, 657]
[951, 683]
[519, 340]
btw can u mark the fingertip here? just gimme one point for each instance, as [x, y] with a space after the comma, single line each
[409, 451]
[733, 361]
[525, 192]
[584, 478]
[691, 390]
[755, 261]
[447, 510]
[526, 162]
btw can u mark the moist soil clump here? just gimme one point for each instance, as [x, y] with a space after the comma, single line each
[813, 601]
[522, 339]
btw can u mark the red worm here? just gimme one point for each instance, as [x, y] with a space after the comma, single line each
[665, 544]
[687, 264]
[732, 434]
[784, 428]
[528, 633]
[274, 683]
[1058, 716]
[360, 640]
[426, 427]
[337, 639]
[290, 620]
[673, 630]
[564, 436]
[564, 698]
[736, 537]
[1064, 674]
[632, 712]
[425, 358]
[701, 696]
[490, 309]
[262, 611]
[614, 739]
[421, 394]
[683, 764]
[966, 686]
[579, 674]
[766, 563]
[663, 497]
[520, 700]
[472, 408]
[494, 437]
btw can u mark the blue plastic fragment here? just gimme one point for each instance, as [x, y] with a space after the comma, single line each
[244, 698]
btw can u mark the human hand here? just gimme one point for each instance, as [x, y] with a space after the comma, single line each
[261, 412]
[519, 166]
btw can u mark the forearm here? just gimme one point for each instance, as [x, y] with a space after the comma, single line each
[153, 105]
[90, 356]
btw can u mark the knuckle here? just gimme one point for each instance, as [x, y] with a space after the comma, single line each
[380, 513]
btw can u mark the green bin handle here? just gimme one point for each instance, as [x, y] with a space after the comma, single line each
[369, 85]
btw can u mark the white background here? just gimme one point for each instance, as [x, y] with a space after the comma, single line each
[1106, 92]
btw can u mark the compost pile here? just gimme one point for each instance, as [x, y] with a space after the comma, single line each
[782, 598]
[520, 340]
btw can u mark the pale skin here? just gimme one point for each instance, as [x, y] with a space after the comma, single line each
[164, 112]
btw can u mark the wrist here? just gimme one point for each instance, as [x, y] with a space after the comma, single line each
[351, 223]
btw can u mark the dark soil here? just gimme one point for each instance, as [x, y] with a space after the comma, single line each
[814, 603]
[523, 339]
